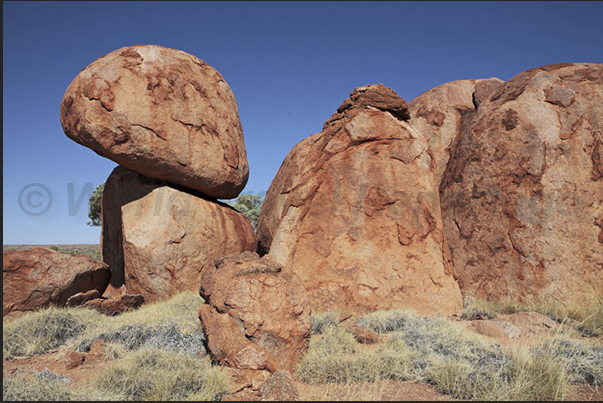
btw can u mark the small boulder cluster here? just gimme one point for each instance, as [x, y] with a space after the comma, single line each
[476, 188]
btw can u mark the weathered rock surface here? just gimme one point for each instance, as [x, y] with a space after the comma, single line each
[245, 383]
[445, 111]
[82, 297]
[157, 238]
[354, 211]
[496, 328]
[163, 113]
[516, 325]
[280, 387]
[363, 335]
[256, 316]
[41, 277]
[522, 196]
[96, 354]
[115, 306]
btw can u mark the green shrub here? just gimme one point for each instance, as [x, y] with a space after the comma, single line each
[95, 206]
[250, 206]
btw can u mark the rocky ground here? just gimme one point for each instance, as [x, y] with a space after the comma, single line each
[58, 362]
[530, 326]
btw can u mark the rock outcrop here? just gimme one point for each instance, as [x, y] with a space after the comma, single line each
[41, 277]
[163, 113]
[443, 112]
[522, 195]
[157, 237]
[354, 211]
[256, 314]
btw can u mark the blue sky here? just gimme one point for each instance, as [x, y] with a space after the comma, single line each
[289, 64]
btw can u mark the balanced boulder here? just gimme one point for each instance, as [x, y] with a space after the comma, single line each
[522, 195]
[354, 211]
[163, 113]
[158, 237]
[41, 277]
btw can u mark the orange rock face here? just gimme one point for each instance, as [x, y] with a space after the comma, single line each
[163, 113]
[443, 112]
[41, 277]
[257, 314]
[354, 211]
[522, 196]
[157, 238]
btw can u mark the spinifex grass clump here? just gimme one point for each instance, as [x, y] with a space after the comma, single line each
[30, 385]
[161, 346]
[172, 325]
[166, 335]
[586, 314]
[335, 357]
[582, 362]
[46, 329]
[480, 309]
[320, 321]
[457, 361]
[154, 374]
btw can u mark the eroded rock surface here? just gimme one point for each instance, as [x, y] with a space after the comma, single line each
[257, 315]
[444, 112]
[354, 212]
[115, 306]
[163, 113]
[157, 238]
[522, 196]
[41, 277]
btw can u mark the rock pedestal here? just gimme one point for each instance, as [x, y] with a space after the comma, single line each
[158, 238]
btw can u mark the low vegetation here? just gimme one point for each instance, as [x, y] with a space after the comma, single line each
[585, 315]
[157, 353]
[455, 360]
[250, 206]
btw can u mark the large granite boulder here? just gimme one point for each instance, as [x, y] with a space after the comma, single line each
[256, 315]
[163, 113]
[41, 277]
[522, 195]
[443, 112]
[354, 211]
[157, 238]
